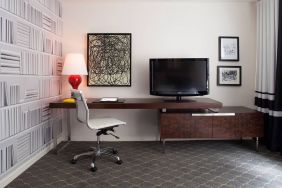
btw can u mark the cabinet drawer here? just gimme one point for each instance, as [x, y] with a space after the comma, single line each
[225, 127]
[251, 124]
[175, 125]
[202, 127]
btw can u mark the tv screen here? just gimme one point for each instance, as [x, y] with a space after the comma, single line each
[179, 77]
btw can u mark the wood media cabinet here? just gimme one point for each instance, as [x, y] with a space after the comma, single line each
[187, 119]
[226, 123]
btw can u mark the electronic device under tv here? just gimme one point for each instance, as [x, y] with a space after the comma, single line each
[179, 77]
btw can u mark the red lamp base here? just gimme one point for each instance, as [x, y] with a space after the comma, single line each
[74, 81]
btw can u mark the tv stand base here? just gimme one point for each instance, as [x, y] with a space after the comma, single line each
[179, 101]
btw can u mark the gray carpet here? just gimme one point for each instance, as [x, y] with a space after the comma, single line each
[185, 164]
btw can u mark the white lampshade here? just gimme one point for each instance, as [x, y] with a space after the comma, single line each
[74, 65]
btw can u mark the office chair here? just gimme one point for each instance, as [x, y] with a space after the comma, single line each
[103, 126]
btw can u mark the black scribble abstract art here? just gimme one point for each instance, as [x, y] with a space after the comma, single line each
[109, 59]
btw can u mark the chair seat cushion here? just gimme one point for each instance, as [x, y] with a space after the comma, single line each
[100, 123]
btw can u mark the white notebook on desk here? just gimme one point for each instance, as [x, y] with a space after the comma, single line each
[109, 99]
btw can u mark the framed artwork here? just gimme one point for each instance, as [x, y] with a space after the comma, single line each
[228, 48]
[109, 59]
[229, 75]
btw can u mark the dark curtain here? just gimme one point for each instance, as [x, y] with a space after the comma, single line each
[274, 123]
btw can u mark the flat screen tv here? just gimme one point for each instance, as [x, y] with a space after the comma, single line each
[179, 77]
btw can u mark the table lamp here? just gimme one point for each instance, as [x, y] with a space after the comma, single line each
[74, 66]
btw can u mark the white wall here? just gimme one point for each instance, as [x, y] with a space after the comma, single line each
[163, 29]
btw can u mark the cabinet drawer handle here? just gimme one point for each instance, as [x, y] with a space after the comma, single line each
[207, 114]
[214, 114]
[224, 114]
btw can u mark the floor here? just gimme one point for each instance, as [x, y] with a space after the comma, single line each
[185, 164]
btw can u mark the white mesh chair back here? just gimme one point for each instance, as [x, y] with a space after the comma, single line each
[81, 107]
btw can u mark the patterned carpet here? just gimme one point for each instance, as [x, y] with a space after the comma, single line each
[185, 164]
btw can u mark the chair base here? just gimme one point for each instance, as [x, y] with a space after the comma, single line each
[94, 152]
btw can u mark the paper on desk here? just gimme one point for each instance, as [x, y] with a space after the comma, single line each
[108, 99]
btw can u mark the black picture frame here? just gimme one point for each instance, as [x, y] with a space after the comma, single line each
[228, 48]
[112, 53]
[229, 75]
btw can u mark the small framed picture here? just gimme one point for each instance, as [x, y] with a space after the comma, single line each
[229, 75]
[228, 48]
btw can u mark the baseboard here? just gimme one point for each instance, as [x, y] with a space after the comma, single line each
[20, 169]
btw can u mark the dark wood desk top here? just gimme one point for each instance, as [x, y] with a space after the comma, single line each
[236, 110]
[225, 109]
[144, 103]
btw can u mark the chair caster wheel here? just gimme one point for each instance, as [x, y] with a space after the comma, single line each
[119, 162]
[93, 169]
[73, 161]
[115, 151]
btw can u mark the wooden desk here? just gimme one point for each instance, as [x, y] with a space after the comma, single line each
[145, 103]
[133, 103]
[180, 120]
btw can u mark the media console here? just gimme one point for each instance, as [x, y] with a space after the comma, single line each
[227, 123]
[188, 120]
